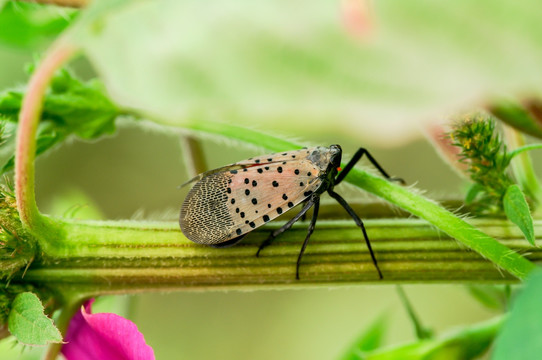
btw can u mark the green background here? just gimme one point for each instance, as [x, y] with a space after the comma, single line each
[135, 174]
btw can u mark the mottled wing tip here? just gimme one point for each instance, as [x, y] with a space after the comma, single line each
[195, 178]
[211, 172]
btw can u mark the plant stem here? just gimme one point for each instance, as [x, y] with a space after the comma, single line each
[194, 158]
[26, 134]
[522, 164]
[421, 331]
[119, 256]
[408, 200]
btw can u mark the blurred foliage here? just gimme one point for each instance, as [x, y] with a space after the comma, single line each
[466, 343]
[520, 336]
[525, 117]
[71, 107]
[371, 339]
[30, 25]
[262, 64]
[494, 297]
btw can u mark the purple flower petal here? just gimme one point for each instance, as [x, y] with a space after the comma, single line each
[104, 336]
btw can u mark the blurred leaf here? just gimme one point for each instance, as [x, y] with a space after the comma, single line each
[29, 324]
[473, 191]
[521, 336]
[31, 25]
[520, 117]
[71, 107]
[493, 297]
[517, 210]
[261, 63]
[467, 343]
[370, 339]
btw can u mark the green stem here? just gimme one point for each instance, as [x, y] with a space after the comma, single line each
[29, 118]
[97, 258]
[62, 323]
[193, 155]
[421, 331]
[524, 149]
[412, 202]
[523, 166]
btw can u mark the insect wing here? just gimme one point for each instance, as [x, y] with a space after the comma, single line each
[294, 155]
[259, 197]
[288, 156]
[228, 204]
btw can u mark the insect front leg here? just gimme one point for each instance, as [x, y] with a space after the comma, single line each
[286, 226]
[304, 216]
[359, 223]
[309, 232]
[357, 156]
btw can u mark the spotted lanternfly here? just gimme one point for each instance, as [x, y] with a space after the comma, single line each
[227, 203]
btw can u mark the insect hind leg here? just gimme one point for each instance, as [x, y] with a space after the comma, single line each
[359, 223]
[285, 227]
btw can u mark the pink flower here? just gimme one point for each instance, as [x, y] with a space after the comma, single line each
[104, 336]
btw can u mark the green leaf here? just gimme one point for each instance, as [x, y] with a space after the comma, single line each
[31, 25]
[521, 335]
[467, 343]
[518, 116]
[29, 324]
[71, 107]
[370, 339]
[473, 192]
[260, 63]
[517, 210]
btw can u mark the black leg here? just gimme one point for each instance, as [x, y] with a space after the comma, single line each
[304, 216]
[357, 156]
[358, 223]
[286, 226]
[316, 201]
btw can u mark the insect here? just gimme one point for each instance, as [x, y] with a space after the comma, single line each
[227, 203]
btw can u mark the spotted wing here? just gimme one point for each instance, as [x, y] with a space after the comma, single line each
[287, 156]
[228, 204]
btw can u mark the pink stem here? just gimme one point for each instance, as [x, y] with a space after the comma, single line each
[29, 117]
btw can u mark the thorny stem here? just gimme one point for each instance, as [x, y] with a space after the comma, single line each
[29, 118]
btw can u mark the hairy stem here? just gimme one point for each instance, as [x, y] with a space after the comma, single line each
[120, 256]
[406, 199]
[29, 118]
